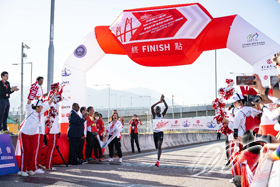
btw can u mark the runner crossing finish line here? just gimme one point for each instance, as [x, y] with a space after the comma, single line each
[158, 135]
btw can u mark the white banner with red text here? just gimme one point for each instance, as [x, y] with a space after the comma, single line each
[206, 123]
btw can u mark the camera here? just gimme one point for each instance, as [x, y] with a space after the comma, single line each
[250, 99]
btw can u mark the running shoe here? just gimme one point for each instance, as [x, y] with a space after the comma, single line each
[231, 180]
[30, 172]
[120, 160]
[39, 171]
[157, 164]
[24, 174]
[100, 160]
[110, 160]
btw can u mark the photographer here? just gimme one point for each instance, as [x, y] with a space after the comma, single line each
[133, 132]
[243, 119]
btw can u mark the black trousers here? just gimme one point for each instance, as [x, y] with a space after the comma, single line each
[134, 136]
[218, 136]
[74, 143]
[97, 148]
[81, 148]
[90, 141]
[117, 142]
[4, 112]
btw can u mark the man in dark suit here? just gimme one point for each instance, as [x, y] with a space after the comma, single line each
[75, 133]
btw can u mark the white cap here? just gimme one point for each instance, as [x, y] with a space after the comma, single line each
[37, 103]
[236, 97]
[277, 127]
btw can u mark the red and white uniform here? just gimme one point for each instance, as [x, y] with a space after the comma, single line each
[39, 143]
[241, 116]
[52, 136]
[112, 127]
[29, 136]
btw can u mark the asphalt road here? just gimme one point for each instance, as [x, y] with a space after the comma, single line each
[191, 166]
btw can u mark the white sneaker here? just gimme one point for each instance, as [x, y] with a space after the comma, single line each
[231, 180]
[19, 173]
[30, 172]
[39, 171]
[24, 174]
[110, 160]
[120, 160]
[54, 169]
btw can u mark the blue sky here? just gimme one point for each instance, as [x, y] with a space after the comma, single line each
[28, 21]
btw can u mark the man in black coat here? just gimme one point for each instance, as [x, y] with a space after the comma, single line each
[75, 133]
[5, 91]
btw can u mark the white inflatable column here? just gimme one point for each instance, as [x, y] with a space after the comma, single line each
[257, 49]
[81, 59]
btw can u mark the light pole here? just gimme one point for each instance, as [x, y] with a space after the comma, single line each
[23, 55]
[131, 102]
[108, 98]
[116, 100]
[172, 106]
[51, 49]
[30, 71]
[121, 100]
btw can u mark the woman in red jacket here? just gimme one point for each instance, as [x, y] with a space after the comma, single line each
[133, 132]
[100, 130]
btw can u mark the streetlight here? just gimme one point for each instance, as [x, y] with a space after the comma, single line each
[108, 97]
[116, 99]
[23, 55]
[31, 68]
[121, 100]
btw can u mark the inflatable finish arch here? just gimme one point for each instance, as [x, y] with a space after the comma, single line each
[164, 36]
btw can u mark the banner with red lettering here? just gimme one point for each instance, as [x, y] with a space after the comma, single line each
[185, 123]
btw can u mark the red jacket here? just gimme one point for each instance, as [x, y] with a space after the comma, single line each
[133, 125]
[100, 127]
[252, 161]
[90, 122]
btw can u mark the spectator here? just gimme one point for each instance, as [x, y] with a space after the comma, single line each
[5, 91]
[91, 133]
[113, 127]
[100, 130]
[248, 156]
[83, 110]
[40, 81]
[75, 133]
[28, 134]
[133, 132]
[218, 134]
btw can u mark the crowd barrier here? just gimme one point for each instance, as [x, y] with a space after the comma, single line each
[146, 141]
